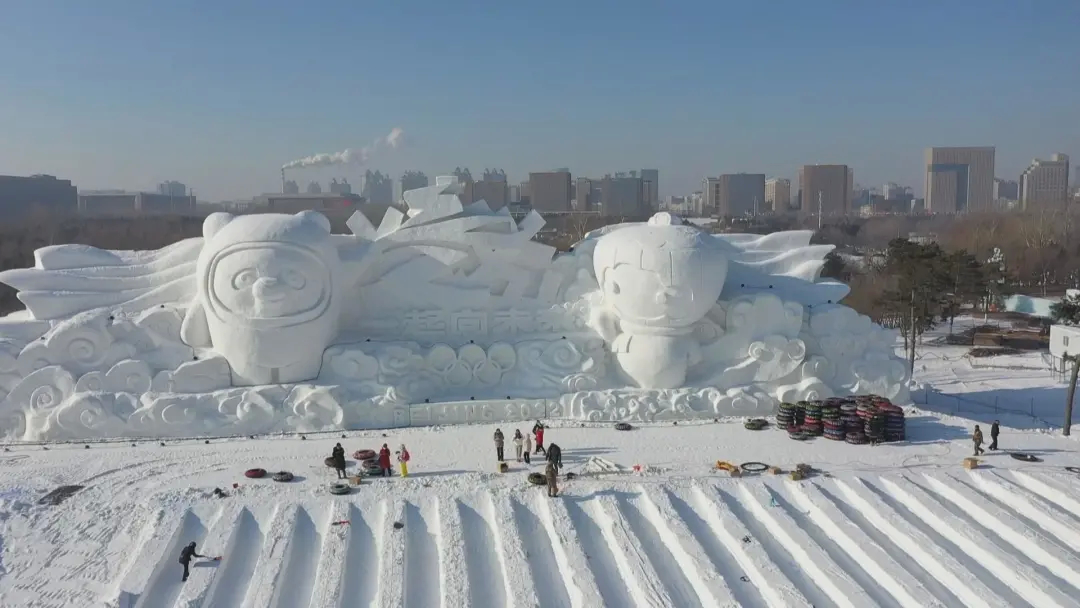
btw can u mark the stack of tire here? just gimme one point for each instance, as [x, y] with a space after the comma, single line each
[831, 421]
[785, 416]
[850, 417]
[895, 426]
[811, 424]
[864, 411]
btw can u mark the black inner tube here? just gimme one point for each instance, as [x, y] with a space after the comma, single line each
[1025, 457]
[1073, 469]
[754, 467]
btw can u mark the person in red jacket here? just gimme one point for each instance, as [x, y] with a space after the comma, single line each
[384, 461]
[538, 431]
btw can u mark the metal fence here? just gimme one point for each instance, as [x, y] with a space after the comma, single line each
[982, 410]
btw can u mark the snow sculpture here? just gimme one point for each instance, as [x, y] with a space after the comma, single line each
[656, 281]
[266, 295]
[444, 313]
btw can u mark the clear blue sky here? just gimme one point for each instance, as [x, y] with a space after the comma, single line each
[219, 94]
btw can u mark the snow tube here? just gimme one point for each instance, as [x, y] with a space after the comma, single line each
[537, 479]
[329, 461]
[1073, 469]
[255, 473]
[1025, 457]
[623, 426]
[364, 454]
[283, 476]
[339, 488]
[370, 465]
[755, 424]
[754, 467]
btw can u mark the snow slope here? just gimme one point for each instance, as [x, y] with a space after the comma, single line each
[893, 525]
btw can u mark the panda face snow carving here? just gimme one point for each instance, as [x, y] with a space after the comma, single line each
[269, 281]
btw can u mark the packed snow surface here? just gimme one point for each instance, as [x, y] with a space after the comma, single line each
[892, 525]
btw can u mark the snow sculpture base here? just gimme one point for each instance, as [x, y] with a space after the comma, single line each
[443, 314]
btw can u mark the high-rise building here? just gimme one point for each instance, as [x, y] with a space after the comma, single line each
[171, 188]
[891, 191]
[710, 190]
[1006, 190]
[314, 188]
[650, 179]
[778, 194]
[741, 194]
[550, 191]
[825, 189]
[378, 188]
[959, 180]
[515, 193]
[290, 187]
[410, 180]
[492, 189]
[44, 193]
[342, 187]
[1045, 182]
[623, 195]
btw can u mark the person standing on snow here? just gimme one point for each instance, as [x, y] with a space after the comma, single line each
[403, 460]
[977, 437]
[527, 449]
[499, 444]
[338, 456]
[538, 431]
[551, 473]
[384, 461]
[186, 554]
[518, 440]
[554, 455]
[994, 430]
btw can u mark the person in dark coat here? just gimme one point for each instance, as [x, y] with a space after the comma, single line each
[554, 455]
[339, 460]
[994, 430]
[384, 461]
[977, 438]
[186, 554]
[499, 444]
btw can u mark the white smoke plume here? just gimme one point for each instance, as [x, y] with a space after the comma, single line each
[349, 155]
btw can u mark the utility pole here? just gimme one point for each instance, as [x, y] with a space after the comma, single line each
[911, 334]
[1075, 360]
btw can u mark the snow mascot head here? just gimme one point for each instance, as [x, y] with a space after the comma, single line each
[657, 280]
[267, 296]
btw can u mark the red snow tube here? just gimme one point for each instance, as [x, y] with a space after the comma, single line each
[364, 454]
[255, 473]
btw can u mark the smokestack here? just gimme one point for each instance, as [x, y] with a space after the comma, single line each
[283, 181]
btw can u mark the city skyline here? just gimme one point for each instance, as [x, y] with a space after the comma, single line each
[222, 103]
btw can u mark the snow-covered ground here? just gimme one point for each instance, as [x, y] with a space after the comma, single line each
[893, 525]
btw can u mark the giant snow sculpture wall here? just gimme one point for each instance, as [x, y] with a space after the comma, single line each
[444, 313]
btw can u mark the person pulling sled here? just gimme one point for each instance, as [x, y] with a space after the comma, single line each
[186, 554]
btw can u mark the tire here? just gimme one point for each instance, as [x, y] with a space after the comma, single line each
[1025, 457]
[755, 424]
[754, 467]
[537, 479]
[623, 426]
[370, 465]
[1073, 469]
[255, 473]
[364, 454]
[329, 461]
[283, 476]
[338, 488]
